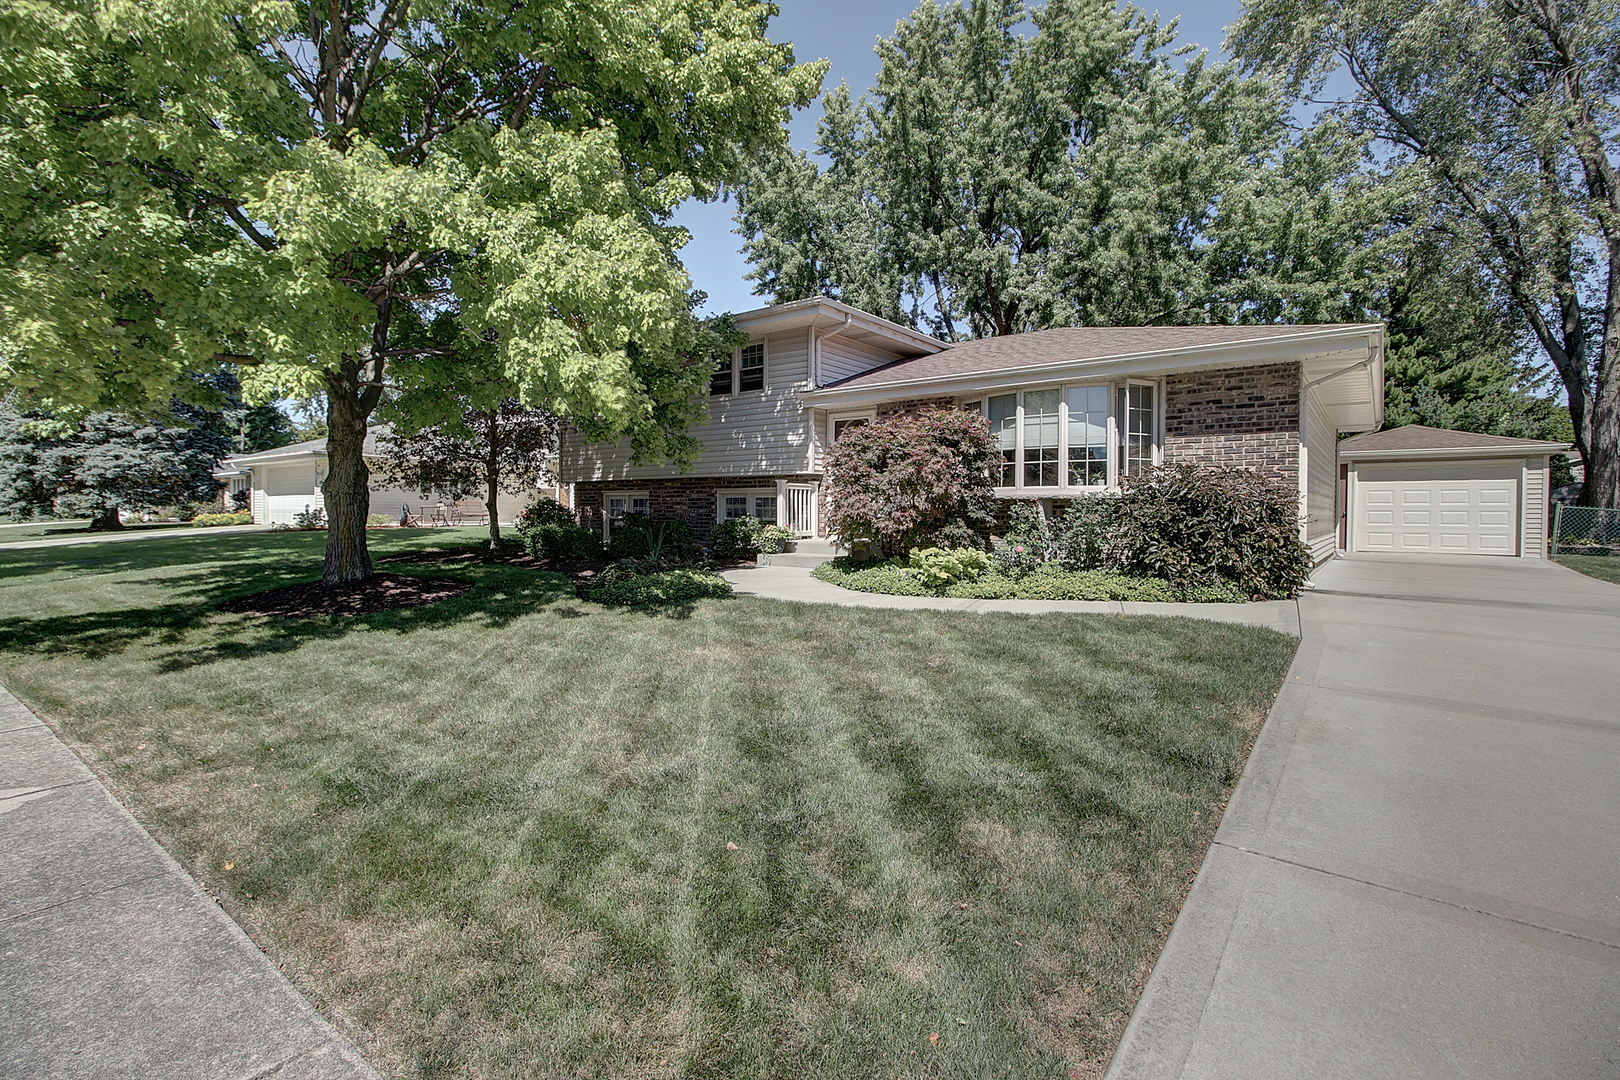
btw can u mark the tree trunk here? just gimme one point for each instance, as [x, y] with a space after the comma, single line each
[492, 474]
[1602, 486]
[347, 489]
[107, 519]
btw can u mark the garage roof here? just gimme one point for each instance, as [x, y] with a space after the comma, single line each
[1418, 441]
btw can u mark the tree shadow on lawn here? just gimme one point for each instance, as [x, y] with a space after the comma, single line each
[494, 601]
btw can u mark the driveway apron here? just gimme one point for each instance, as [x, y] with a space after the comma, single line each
[1419, 874]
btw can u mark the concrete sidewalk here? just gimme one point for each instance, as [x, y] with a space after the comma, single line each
[795, 583]
[1419, 874]
[113, 962]
[134, 534]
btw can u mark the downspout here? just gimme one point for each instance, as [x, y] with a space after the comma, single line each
[1304, 409]
[815, 384]
[815, 360]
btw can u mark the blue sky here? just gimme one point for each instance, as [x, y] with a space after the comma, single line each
[845, 31]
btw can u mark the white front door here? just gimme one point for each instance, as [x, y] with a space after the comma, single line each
[1461, 508]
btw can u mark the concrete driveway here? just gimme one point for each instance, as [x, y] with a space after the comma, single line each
[1419, 875]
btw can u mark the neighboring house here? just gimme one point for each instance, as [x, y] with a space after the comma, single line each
[287, 481]
[1074, 410]
[1423, 489]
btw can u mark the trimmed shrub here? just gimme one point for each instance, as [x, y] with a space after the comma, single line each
[1079, 535]
[636, 536]
[543, 511]
[742, 537]
[774, 538]
[1050, 582]
[1199, 527]
[379, 519]
[209, 520]
[666, 587]
[563, 540]
[923, 480]
[939, 567]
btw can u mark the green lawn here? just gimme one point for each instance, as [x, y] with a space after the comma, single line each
[49, 530]
[514, 834]
[1602, 567]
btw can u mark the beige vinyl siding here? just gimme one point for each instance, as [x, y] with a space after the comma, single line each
[842, 358]
[1533, 515]
[763, 432]
[1321, 479]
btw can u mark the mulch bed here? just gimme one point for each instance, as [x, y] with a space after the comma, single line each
[581, 572]
[380, 592]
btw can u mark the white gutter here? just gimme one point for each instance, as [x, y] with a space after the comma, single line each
[815, 356]
[1535, 449]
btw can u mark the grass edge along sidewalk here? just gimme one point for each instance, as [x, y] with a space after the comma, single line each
[513, 833]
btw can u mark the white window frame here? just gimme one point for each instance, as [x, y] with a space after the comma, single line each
[630, 497]
[1122, 401]
[833, 420]
[721, 494]
[764, 367]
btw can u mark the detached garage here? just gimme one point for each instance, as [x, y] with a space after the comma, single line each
[1419, 489]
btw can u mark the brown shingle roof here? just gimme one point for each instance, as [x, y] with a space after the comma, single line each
[1068, 343]
[1418, 437]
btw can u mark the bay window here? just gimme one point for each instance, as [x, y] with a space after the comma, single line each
[1004, 426]
[1086, 436]
[1040, 438]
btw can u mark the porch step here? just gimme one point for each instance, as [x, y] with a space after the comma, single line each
[809, 553]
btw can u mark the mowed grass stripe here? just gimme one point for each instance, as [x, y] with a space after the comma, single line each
[490, 837]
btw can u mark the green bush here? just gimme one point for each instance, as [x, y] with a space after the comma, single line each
[666, 587]
[1048, 582]
[742, 537]
[564, 540]
[635, 536]
[1079, 535]
[1199, 527]
[379, 519]
[543, 511]
[208, 520]
[939, 567]
[888, 577]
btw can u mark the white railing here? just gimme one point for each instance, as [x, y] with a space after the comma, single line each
[799, 513]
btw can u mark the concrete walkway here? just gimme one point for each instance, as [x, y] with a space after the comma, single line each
[1419, 874]
[133, 534]
[113, 962]
[795, 583]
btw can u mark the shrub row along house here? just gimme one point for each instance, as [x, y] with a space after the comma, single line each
[1075, 411]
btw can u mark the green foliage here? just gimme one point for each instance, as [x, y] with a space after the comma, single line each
[737, 538]
[998, 181]
[939, 567]
[309, 518]
[1199, 527]
[774, 538]
[636, 537]
[1506, 114]
[223, 519]
[104, 461]
[1079, 535]
[1048, 582]
[563, 540]
[679, 586]
[380, 519]
[543, 511]
[914, 480]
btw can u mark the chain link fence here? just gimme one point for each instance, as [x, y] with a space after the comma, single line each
[1585, 530]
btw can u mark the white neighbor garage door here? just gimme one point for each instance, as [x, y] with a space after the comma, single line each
[288, 489]
[1459, 507]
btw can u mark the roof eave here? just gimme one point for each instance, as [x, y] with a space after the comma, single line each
[1228, 354]
[1531, 449]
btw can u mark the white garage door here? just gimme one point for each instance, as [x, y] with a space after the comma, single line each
[287, 491]
[1463, 508]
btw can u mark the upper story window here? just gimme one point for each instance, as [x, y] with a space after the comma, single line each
[720, 381]
[752, 374]
[740, 372]
[1085, 436]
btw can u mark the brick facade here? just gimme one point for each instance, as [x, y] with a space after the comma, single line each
[691, 499]
[1246, 418]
